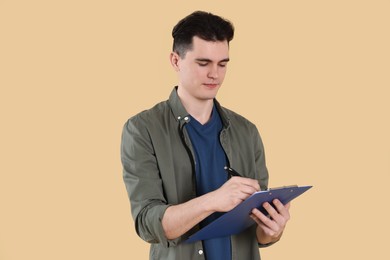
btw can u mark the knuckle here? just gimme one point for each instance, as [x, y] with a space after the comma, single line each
[272, 233]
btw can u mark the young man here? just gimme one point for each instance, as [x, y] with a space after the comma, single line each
[174, 156]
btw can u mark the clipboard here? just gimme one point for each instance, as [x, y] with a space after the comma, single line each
[238, 219]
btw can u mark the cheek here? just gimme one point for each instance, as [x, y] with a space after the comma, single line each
[197, 74]
[186, 74]
[193, 74]
[222, 73]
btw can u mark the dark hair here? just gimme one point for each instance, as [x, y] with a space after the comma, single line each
[204, 25]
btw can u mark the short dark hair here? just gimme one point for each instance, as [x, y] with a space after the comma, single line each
[204, 25]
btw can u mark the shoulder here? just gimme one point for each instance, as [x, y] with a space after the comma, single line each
[238, 120]
[150, 116]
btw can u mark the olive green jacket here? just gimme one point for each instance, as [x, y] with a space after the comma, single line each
[158, 170]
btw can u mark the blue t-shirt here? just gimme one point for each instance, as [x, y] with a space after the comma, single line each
[210, 174]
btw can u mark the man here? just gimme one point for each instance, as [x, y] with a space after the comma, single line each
[174, 156]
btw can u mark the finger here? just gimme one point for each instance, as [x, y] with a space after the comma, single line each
[246, 185]
[269, 226]
[258, 220]
[247, 189]
[240, 195]
[263, 219]
[271, 211]
[282, 209]
[267, 230]
[248, 182]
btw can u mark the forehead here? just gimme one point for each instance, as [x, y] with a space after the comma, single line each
[212, 50]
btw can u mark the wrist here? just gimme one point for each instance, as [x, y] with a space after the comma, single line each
[264, 239]
[209, 205]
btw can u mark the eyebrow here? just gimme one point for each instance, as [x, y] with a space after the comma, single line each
[208, 60]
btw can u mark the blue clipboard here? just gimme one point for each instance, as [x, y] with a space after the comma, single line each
[238, 219]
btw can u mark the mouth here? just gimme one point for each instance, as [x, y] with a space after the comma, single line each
[211, 85]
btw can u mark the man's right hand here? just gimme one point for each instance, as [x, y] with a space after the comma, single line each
[180, 218]
[232, 193]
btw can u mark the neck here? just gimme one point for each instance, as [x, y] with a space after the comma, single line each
[198, 108]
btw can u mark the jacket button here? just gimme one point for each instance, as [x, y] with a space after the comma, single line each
[200, 252]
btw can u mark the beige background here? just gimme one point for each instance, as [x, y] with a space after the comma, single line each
[312, 75]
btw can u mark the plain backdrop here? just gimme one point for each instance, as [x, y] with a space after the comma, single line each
[312, 75]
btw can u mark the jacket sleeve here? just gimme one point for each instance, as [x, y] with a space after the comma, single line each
[261, 167]
[143, 183]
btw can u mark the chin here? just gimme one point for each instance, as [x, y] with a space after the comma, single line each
[210, 95]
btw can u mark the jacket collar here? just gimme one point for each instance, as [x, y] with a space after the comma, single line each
[178, 110]
[223, 114]
[180, 113]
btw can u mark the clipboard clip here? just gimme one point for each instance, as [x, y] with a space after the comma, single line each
[283, 187]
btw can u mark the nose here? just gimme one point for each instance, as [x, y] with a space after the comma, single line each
[213, 72]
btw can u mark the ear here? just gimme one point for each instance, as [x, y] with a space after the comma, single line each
[175, 60]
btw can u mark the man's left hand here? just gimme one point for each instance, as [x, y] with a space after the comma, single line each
[270, 228]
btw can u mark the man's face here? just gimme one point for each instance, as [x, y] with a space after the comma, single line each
[202, 70]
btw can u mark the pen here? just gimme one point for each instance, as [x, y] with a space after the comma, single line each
[232, 172]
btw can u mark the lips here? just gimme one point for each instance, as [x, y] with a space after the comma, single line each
[211, 85]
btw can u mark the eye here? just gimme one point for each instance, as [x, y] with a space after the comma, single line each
[222, 65]
[202, 64]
